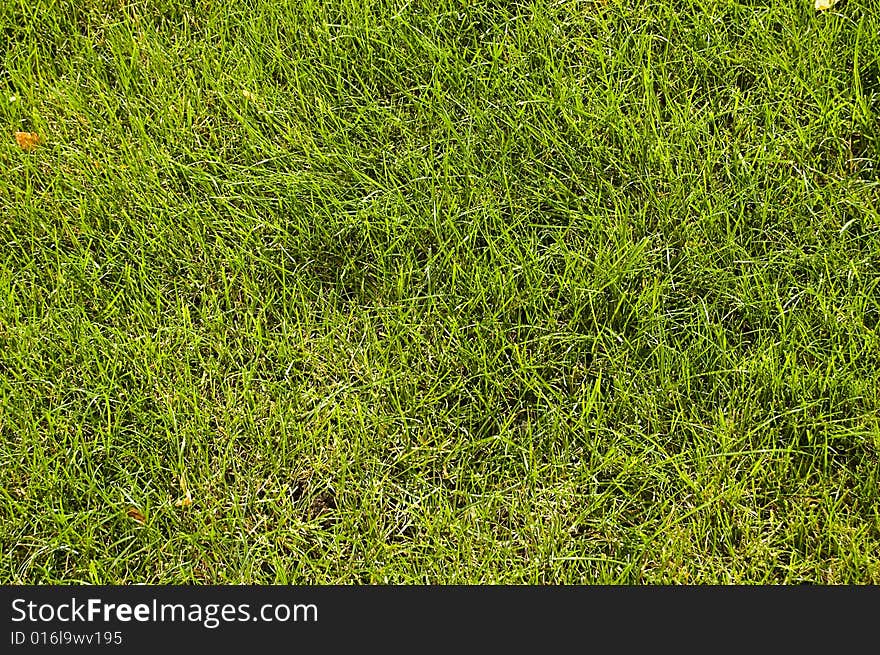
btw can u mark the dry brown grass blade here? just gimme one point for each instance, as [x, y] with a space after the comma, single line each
[135, 514]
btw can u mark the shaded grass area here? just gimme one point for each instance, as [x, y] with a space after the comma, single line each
[448, 291]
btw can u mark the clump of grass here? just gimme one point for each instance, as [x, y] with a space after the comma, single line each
[439, 292]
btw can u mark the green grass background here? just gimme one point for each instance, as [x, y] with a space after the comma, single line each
[440, 291]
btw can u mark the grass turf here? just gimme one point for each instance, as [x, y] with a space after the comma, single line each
[447, 291]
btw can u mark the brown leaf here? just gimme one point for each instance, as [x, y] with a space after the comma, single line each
[27, 140]
[135, 514]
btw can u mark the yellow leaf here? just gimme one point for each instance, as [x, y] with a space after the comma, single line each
[27, 140]
[186, 501]
[822, 5]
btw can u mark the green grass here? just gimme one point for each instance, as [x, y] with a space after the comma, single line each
[440, 291]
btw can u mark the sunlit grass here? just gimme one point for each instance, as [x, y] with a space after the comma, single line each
[449, 291]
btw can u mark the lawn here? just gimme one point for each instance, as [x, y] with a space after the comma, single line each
[447, 291]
